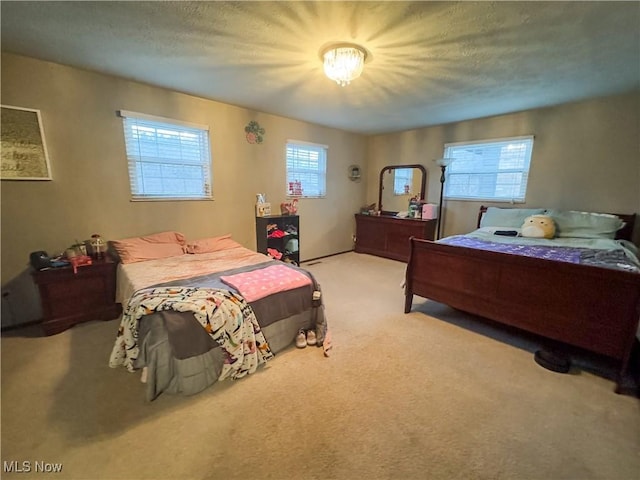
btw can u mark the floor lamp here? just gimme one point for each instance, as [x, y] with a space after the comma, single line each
[443, 163]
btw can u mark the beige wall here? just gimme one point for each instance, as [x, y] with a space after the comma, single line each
[585, 156]
[90, 188]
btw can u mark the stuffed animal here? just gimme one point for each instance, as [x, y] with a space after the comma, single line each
[538, 226]
[289, 208]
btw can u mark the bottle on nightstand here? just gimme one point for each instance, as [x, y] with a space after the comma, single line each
[98, 246]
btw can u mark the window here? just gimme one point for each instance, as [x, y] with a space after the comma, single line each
[168, 159]
[488, 170]
[402, 181]
[306, 169]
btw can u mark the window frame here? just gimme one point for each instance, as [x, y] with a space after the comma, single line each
[524, 170]
[320, 172]
[134, 161]
[408, 180]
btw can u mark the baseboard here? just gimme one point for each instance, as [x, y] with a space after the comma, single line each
[20, 325]
[325, 256]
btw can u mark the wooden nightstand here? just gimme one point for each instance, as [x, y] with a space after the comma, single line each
[69, 298]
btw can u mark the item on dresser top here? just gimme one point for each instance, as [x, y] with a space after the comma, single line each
[76, 249]
[429, 211]
[40, 260]
[98, 246]
[368, 209]
[80, 261]
[415, 208]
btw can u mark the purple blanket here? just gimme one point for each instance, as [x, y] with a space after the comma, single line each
[562, 254]
[615, 259]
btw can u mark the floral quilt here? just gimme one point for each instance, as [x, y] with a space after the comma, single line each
[226, 317]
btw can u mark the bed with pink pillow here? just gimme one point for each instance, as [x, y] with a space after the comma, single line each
[160, 279]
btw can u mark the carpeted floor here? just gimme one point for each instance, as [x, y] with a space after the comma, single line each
[433, 394]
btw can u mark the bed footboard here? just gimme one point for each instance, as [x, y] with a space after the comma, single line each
[588, 307]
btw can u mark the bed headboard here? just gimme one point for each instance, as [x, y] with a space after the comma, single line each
[625, 233]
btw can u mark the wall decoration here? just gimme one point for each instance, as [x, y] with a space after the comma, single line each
[24, 152]
[354, 172]
[254, 132]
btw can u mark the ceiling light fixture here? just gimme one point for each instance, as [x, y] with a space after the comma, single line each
[343, 62]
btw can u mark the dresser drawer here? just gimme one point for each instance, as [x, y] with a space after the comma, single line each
[70, 305]
[76, 287]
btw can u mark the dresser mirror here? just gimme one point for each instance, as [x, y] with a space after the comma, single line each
[398, 184]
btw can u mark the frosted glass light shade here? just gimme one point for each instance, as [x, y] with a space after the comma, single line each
[444, 162]
[344, 63]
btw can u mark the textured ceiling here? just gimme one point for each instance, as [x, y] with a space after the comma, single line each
[430, 62]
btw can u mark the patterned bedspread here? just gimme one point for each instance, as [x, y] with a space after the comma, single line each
[134, 276]
[226, 317]
[609, 258]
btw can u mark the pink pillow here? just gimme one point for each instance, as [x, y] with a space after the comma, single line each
[150, 247]
[212, 244]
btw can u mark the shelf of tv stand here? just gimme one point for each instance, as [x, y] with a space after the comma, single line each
[284, 223]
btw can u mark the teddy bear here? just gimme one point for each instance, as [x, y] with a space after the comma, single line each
[538, 226]
[289, 208]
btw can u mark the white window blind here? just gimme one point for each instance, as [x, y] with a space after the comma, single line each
[402, 181]
[495, 170]
[168, 159]
[306, 167]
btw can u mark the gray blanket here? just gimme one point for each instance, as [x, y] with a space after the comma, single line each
[181, 357]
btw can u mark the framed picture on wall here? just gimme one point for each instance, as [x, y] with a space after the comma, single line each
[24, 152]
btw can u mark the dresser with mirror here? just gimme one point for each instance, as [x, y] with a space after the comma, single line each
[387, 234]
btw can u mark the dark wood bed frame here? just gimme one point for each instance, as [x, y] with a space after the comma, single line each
[589, 307]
